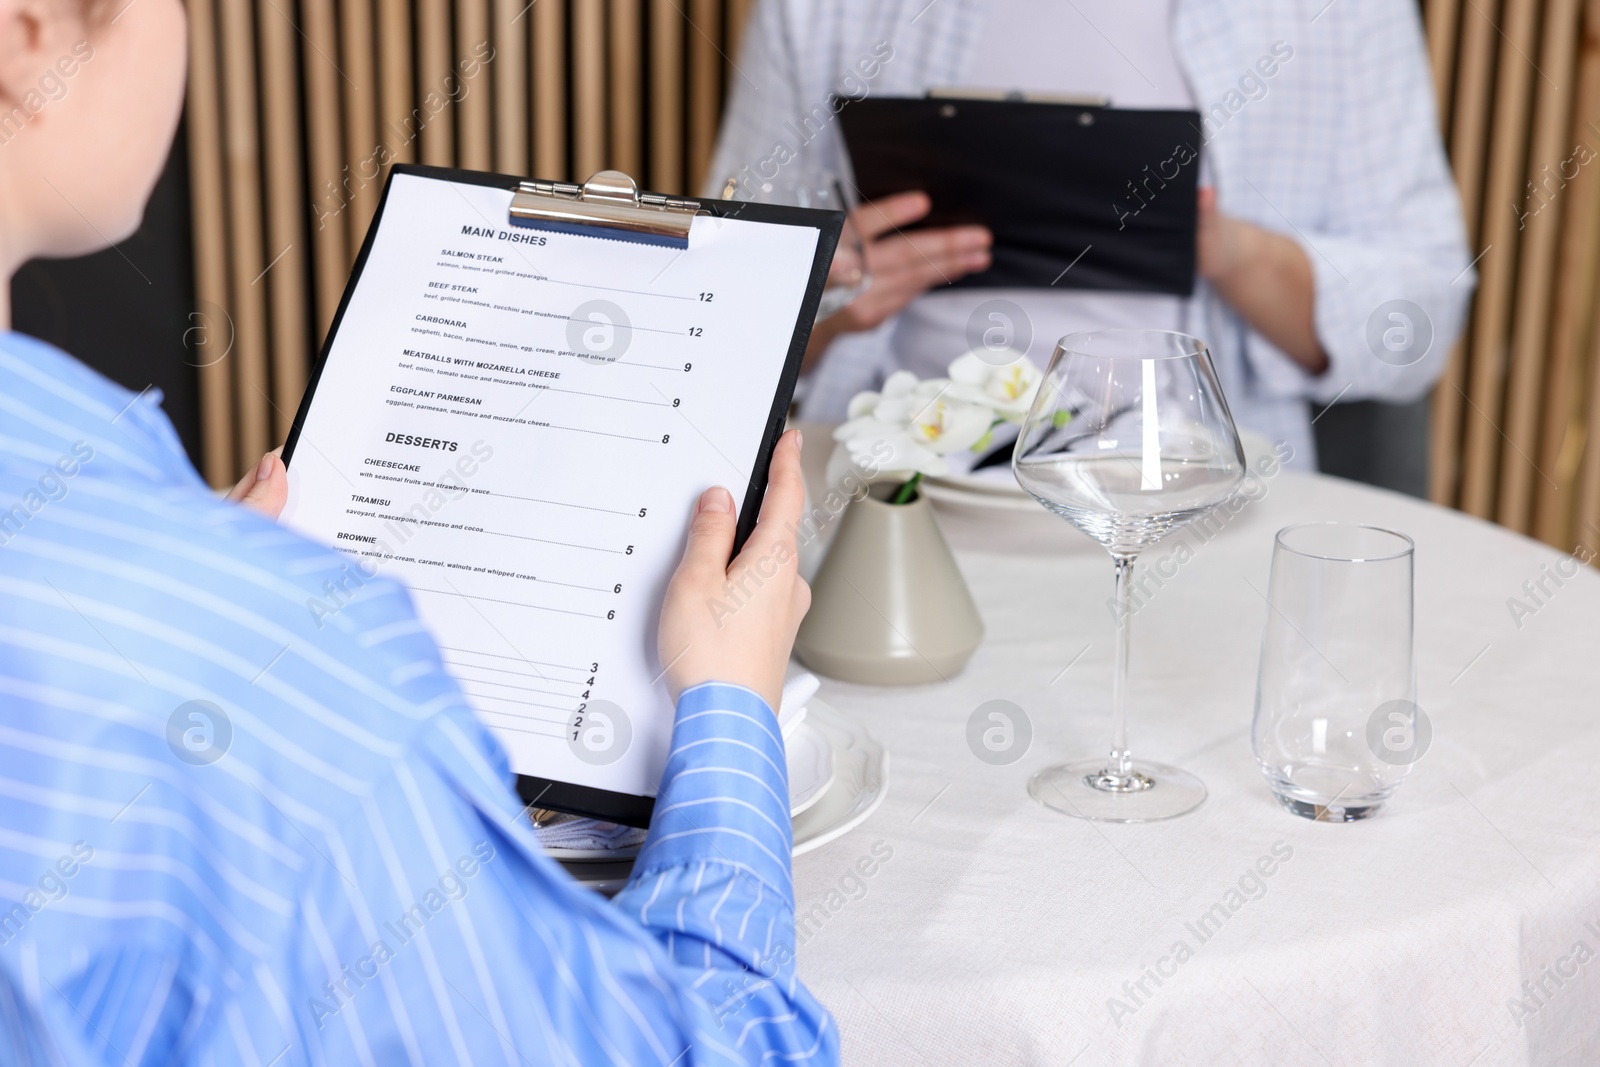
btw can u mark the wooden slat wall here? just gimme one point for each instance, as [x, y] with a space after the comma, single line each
[572, 86]
[297, 107]
[1540, 234]
[284, 250]
[1465, 116]
[242, 158]
[1561, 437]
[208, 338]
[1581, 514]
[1519, 87]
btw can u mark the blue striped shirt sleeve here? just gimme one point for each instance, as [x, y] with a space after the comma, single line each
[485, 950]
[237, 827]
[714, 875]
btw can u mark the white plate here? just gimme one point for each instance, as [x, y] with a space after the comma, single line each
[606, 878]
[810, 760]
[963, 491]
[809, 755]
[946, 494]
[858, 782]
[989, 484]
[592, 855]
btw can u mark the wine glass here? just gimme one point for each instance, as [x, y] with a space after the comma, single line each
[800, 186]
[1129, 438]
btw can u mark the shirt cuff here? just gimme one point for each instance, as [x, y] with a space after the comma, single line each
[724, 796]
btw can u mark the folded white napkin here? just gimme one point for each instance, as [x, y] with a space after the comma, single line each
[798, 689]
[592, 834]
[589, 834]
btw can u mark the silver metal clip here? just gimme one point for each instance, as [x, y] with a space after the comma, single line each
[607, 205]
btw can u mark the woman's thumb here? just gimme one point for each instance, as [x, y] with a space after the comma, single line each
[711, 533]
[266, 488]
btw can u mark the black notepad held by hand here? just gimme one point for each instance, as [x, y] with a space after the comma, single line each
[1077, 197]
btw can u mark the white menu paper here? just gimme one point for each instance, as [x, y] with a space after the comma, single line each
[516, 424]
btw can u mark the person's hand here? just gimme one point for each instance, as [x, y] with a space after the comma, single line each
[1222, 242]
[903, 266]
[265, 487]
[735, 623]
[1265, 277]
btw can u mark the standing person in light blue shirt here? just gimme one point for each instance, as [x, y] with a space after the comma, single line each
[233, 833]
[1326, 199]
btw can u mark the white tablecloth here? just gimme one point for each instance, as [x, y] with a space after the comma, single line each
[997, 931]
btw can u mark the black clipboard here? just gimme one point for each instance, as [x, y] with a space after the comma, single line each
[1077, 196]
[610, 206]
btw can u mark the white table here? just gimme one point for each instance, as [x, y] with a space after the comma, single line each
[998, 931]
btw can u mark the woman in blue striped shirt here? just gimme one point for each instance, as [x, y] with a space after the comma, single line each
[344, 876]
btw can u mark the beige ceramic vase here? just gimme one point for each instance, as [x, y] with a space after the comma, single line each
[888, 604]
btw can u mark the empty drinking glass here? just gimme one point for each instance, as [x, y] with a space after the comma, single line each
[1129, 438]
[1336, 724]
[800, 186]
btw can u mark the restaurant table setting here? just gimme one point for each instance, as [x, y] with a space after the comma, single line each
[1268, 768]
[838, 775]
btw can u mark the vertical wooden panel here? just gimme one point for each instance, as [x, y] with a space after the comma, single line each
[209, 337]
[627, 96]
[549, 91]
[360, 86]
[1442, 20]
[243, 168]
[284, 276]
[470, 83]
[1585, 526]
[1539, 235]
[1486, 373]
[1469, 123]
[588, 88]
[666, 98]
[705, 86]
[330, 206]
[434, 81]
[739, 15]
[1444, 428]
[1560, 445]
[1587, 504]
[398, 131]
[510, 80]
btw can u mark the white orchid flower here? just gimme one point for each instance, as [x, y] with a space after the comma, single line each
[909, 426]
[891, 407]
[896, 453]
[877, 437]
[1008, 389]
[944, 423]
[879, 449]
